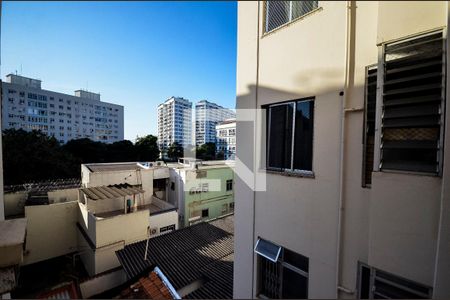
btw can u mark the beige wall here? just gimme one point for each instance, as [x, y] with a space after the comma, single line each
[15, 203]
[392, 226]
[51, 231]
[64, 195]
[108, 235]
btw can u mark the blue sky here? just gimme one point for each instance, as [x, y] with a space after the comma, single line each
[136, 54]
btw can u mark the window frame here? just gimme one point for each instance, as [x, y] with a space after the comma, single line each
[290, 18]
[374, 276]
[291, 170]
[380, 102]
[280, 264]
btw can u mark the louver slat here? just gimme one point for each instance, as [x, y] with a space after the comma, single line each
[412, 96]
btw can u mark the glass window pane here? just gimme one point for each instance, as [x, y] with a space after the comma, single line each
[299, 8]
[280, 136]
[303, 146]
[295, 286]
[268, 250]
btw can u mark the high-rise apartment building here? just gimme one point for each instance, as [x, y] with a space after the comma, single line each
[174, 122]
[351, 137]
[25, 105]
[226, 138]
[207, 115]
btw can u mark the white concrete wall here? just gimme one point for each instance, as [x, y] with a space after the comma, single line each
[51, 231]
[162, 220]
[129, 228]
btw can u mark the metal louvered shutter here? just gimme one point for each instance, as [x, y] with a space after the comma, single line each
[413, 98]
[369, 124]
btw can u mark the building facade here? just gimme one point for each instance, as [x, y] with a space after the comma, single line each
[207, 116]
[25, 105]
[345, 104]
[174, 123]
[203, 190]
[226, 138]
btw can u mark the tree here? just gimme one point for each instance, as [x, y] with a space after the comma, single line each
[87, 151]
[146, 148]
[206, 151]
[175, 151]
[34, 156]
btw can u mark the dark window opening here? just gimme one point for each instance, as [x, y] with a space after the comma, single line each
[376, 284]
[369, 125]
[290, 136]
[229, 184]
[283, 276]
[205, 213]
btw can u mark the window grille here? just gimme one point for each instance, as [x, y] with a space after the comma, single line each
[413, 100]
[283, 274]
[279, 13]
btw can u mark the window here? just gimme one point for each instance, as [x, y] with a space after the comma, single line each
[369, 124]
[231, 206]
[205, 213]
[282, 273]
[290, 136]
[413, 100]
[229, 184]
[375, 284]
[224, 208]
[279, 13]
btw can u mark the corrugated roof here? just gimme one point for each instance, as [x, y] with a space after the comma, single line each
[203, 251]
[111, 191]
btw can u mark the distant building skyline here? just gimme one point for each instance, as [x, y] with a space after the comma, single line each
[25, 105]
[207, 115]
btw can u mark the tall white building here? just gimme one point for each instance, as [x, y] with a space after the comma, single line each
[207, 115]
[25, 105]
[174, 122]
[226, 138]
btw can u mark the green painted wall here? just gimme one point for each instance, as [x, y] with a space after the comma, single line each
[208, 192]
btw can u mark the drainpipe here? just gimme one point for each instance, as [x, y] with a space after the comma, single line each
[349, 77]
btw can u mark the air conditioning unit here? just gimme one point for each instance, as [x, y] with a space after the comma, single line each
[153, 230]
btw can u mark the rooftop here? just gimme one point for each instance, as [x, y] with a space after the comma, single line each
[200, 254]
[122, 166]
[151, 286]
